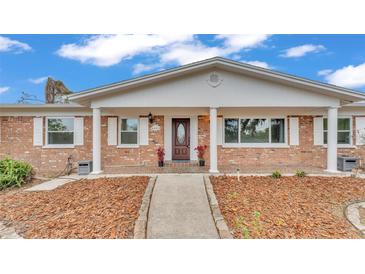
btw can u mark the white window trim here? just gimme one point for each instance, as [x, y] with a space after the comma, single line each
[119, 129]
[258, 145]
[351, 145]
[59, 145]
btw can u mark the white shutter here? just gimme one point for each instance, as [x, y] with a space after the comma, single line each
[143, 131]
[79, 131]
[318, 131]
[112, 131]
[294, 131]
[360, 130]
[219, 130]
[193, 137]
[37, 131]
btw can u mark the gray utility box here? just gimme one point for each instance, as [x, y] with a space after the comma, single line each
[85, 167]
[346, 163]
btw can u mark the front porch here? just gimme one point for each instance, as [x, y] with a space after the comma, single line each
[159, 127]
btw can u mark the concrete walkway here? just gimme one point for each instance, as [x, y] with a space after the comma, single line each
[8, 232]
[52, 184]
[180, 210]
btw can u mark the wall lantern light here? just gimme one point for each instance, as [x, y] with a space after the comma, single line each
[150, 117]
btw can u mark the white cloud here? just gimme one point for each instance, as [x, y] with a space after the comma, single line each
[258, 64]
[324, 72]
[350, 76]
[108, 50]
[7, 44]
[184, 53]
[139, 68]
[236, 42]
[39, 80]
[188, 53]
[302, 50]
[4, 89]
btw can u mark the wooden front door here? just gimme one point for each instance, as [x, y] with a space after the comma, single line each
[181, 139]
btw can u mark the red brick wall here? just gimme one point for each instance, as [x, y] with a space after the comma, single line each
[114, 157]
[17, 142]
[305, 156]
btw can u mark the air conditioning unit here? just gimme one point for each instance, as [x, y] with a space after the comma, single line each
[85, 167]
[346, 163]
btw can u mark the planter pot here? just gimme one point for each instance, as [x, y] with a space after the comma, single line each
[201, 162]
[160, 163]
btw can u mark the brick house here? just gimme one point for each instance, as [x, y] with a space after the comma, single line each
[249, 117]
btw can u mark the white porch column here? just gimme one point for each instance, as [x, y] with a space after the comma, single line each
[332, 139]
[213, 140]
[96, 141]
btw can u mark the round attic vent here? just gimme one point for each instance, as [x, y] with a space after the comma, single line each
[214, 80]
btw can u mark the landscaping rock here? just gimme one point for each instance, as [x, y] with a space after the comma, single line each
[140, 227]
[219, 221]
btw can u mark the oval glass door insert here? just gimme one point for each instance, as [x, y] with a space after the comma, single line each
[180, 134]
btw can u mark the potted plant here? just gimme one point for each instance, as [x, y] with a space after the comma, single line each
[161, 156]
[201, 151]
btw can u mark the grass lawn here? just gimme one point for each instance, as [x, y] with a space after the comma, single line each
[289, 207]
[98, 208]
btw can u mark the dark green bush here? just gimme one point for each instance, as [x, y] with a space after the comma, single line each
[276, 174]
[300, 173]
[14, 173]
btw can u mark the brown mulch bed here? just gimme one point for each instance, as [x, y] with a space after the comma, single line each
[99, 208]
[289, 207]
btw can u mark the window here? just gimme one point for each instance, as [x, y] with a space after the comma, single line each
[343, 131]
[231, 130]
[129, 132]
[277, 130]
[254, 131]
[60, 131]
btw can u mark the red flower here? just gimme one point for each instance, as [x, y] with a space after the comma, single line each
[161, 154]
[201, 150]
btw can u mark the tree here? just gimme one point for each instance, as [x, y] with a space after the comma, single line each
[56, 92]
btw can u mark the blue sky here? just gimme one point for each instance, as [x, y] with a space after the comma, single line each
[86, 61]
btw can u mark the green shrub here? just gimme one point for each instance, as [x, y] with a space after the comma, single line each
[300, 173]
[276, 174]
[14, 173]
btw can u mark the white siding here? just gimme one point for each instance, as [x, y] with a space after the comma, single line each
[168, 138]
[37, 131]
[79, 131]
[294, 131]
[360, 130]
[112, 131]
[143, 131]
[193, 137]
[318, 131]
[192, 90]
[219, 131]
